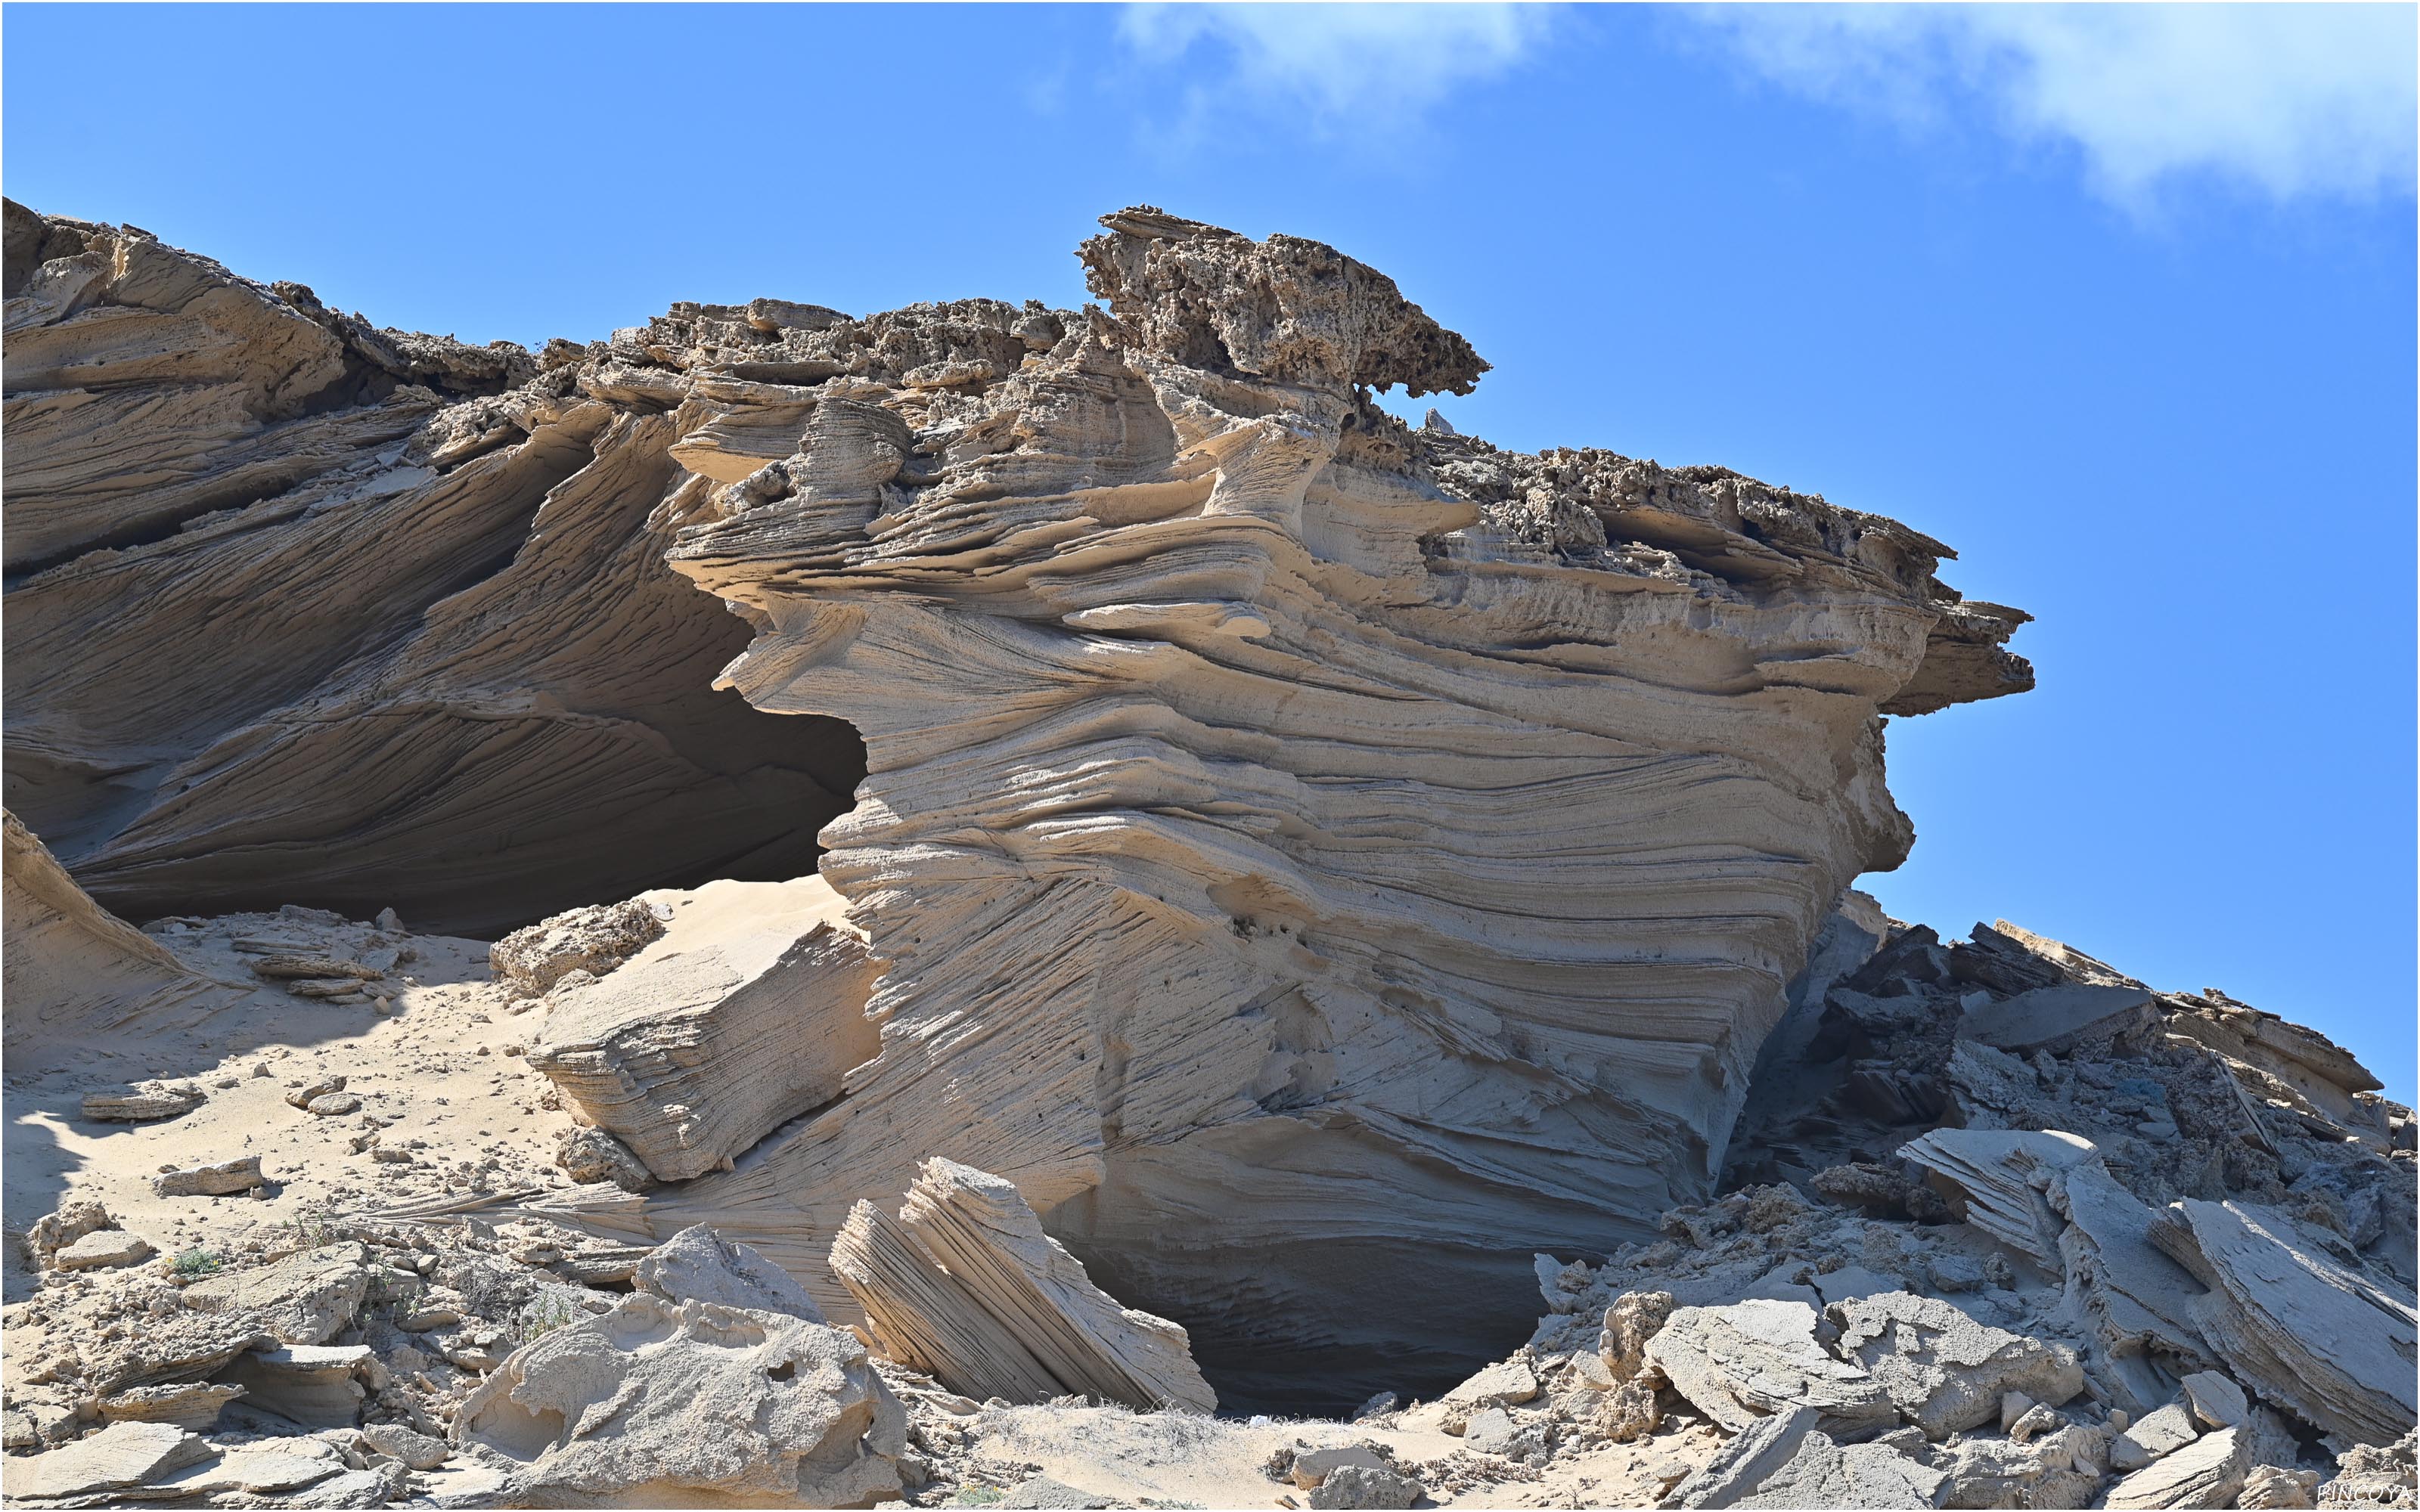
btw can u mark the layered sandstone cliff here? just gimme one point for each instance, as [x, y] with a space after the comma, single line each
[1304, 853]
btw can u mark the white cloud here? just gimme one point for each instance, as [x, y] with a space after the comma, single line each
[2292, 99]
[1373, 67]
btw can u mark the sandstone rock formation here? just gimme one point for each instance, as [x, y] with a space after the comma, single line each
[302, 610]
[965, 1286]
[746, 1010]
[76, 973]
[1297, 847]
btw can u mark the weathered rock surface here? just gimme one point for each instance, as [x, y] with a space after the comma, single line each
[305, 1298]
[1826, 1475]
[1751, 1359]
[658, 1404]
[1944, 1370]
[698, 1265]
[745, 1010]
[2319, 1338]
[297, 608]
[2206, 1473]
[119, 1457]
[1184, 670]
[73, 972]
[965, 1284]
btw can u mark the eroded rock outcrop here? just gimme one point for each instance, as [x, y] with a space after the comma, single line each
[1299, 846]
[290, 620]
[76, 973]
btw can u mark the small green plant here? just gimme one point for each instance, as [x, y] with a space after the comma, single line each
[978, 1496]
[546, 1314]
[194, 1264]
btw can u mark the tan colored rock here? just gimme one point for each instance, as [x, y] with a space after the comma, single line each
[303, 1299]
[746, 1010]
[103, 1248]
[186, 1404]
[119, 1457]
[965, 1285]
[1629, 1324]
[595, 940]
[658, 1404]
[2267, 1486]
[223, 1179]
[74, 974]
[145, 1102]
[56, 1231]
[313, 1385]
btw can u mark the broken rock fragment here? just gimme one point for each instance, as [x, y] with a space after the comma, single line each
[1756, 1358]
[224, 1179]
[747, 1010]
[595, 940]
[119, 1457]
[2206, 1473]
[657, 1403]
[103, 1248]
[965, 1284]
[1945, 1371]
[699, 1265]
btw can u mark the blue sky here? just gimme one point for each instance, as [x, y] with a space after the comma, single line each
[2117, 302]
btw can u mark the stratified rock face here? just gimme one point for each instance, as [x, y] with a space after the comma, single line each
[1303, 854]
[283, 627]
[1307, 851]
[77, 974]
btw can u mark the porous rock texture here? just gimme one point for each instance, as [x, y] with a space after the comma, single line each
[299, 609]
[1301, 848]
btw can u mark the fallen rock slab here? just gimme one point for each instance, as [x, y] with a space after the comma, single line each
[698, 1265]
[305, 1298]
[2206, 1473]
[747, 1010]
[595, 939]
[2306, 1333]
[191, 1404]
[1944, 1371]
[2056, 1018]
[121, 1456]
[145, 1103]
[224, 1179]
[101, 1249]
[1752, 1359]
[315, 1385]
[965, 1285]
[1994, 1171]
[1743, 1464]
[657, 1403]
[1823, 1473]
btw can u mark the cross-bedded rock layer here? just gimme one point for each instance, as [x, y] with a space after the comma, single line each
[1315, 860]
[1307, 850]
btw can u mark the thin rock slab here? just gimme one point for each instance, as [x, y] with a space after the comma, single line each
[192, 1404]
[1752, 1359]
[121, 1456]
[1743, 1462]
[658, 1403]
[2305, 1333]
[305, 1298]
[1993, 1170]
[965, 1285]
[2206, 1473]
[145, 1102]
[1944, 1371]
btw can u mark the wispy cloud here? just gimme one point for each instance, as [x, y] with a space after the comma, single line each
[2293, 100]
[1366, 66]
